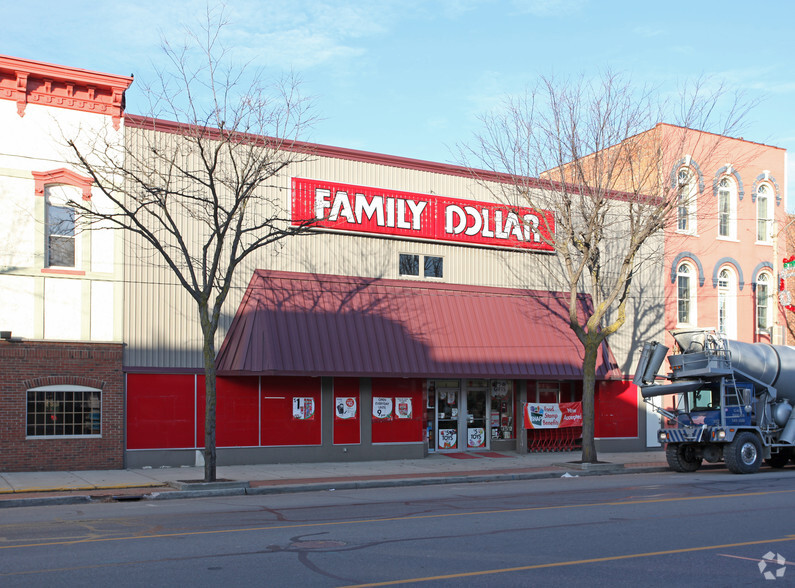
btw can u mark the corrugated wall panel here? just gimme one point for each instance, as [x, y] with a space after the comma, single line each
[161, 323]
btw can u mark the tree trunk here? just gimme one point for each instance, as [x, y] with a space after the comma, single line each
[588, 400]
[208, 335]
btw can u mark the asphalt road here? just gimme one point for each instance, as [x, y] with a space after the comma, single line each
[709, 528]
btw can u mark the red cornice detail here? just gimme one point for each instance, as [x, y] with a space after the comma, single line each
[33, 82]
[62, 176]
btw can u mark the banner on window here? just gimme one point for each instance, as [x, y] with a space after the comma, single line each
[303, 409]
[403, 408]
[382, 408]
[447, 438]
[552, 416]
[476, 437]
[345, 407]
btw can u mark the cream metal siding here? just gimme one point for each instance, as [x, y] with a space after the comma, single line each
[161, 321]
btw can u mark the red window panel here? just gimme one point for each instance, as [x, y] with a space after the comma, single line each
[394, 429]
[616, 407]
[236, 411]
[347, 430]
[282, 398]
[160, 411]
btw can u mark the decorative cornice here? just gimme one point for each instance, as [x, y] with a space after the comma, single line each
[760, 267]
[62, 176]
[687, 255]
[766, 177]
[686, 161]
[723, 261]
[728, 170]
[32, 82]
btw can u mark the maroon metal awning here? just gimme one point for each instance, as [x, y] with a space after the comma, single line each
[322, 325]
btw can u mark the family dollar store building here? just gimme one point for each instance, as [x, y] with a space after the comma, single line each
[420, 315]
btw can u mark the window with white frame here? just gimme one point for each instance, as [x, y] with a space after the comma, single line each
[686, 204]
[685, 294]
[64, 411]
[763, 214]
[763, 306]
[409, 266]
[62, 244]
[727, 303]
[727, 206]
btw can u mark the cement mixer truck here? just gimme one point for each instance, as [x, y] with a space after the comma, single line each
[722, 401]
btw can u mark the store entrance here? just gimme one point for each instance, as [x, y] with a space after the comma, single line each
[460, 417]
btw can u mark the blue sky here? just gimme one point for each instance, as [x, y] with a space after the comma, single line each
[410, 77]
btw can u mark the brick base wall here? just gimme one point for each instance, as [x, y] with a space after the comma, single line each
[30, 364]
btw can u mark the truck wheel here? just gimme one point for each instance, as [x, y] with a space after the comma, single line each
[778, 460]
[744, 454]
[682, 457]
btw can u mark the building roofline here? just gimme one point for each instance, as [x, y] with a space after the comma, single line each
[63, 72]
[665, 124]
[152, 124]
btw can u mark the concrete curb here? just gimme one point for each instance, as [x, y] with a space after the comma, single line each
[244, 488]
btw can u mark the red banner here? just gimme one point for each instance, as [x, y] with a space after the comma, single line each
[552, 416]
[345, 207]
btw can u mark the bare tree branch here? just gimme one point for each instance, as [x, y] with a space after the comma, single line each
[202, 190]
[596, 153]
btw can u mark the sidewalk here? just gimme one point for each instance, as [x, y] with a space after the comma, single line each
[41, 488]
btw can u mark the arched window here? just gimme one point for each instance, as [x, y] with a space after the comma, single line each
[685, 295]
[727, 303]
[727, 208]
[763, 215]
[763, 306]
[686, 205]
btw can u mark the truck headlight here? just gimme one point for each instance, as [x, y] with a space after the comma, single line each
[662, 436]
[720, 435]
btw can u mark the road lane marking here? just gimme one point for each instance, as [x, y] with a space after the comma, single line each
[569, 563]
[756, 559]
[392, 519]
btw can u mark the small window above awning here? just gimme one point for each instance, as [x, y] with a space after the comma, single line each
[323, 325]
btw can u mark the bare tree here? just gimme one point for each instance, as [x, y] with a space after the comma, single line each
[595, 153]
[199, 190]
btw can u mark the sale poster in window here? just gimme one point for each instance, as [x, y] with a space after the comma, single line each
[448, 438]
[303, 409]
[345, 407]
[403, 408]
[382, 408]
[476, 437]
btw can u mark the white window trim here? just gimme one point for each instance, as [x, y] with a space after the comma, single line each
[65, 388]
[769, 213]
[55, 195]
[691, 200]
[732, 189]
[768, 282]
[729, 294]
[692, 276]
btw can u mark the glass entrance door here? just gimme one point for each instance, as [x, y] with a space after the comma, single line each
[462, 419]
[447, 414]
[477, 407]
